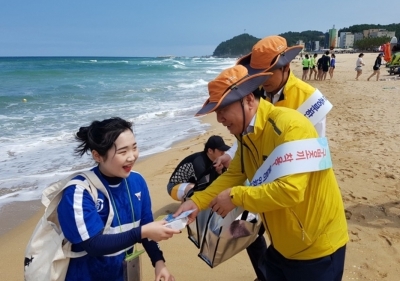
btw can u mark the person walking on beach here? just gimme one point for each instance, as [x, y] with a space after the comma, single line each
[319, 67]
[313, 69]
[283, 88]
[332, 65]
[113, 146]
[306, 67]
[325, 63]
[359, 65]
[196, 168]
[376, 67]
[302, 212]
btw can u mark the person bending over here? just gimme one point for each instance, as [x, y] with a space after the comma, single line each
[196, 168]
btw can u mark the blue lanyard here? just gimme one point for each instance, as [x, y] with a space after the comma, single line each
[116, 212]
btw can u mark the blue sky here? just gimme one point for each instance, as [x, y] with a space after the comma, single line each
[167, 27]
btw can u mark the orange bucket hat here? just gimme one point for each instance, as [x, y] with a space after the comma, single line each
[231, 85]
[268, 54]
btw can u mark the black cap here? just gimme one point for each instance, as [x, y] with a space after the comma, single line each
[216, 142]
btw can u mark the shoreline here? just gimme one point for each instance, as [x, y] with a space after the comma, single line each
[22, 211]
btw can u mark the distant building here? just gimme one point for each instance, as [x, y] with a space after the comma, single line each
[316, 46]
[373, 33]
[326, 41]
[301, 43]
[346, 40]
[333, 37]
[358, 36]
[382, 33]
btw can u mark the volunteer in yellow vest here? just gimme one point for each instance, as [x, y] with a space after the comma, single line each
[303, 213]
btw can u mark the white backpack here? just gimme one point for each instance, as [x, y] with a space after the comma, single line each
[48, 253]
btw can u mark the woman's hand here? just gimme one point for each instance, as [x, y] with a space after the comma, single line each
[157, 231]
[162, 272]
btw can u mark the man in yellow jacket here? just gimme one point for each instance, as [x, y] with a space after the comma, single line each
[272, 54]
[303, 213]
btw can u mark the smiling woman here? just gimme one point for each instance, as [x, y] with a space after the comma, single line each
[125, 201]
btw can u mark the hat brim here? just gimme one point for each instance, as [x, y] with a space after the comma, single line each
[245, 61]
[235, 93]
[224, 147]
[283, 59]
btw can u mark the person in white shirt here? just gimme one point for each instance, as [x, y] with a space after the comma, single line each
[359, 65]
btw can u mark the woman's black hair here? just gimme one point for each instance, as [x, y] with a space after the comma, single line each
[360, 55]
[100, 135]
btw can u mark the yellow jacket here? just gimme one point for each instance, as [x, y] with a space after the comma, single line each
[295, 93]
[303, 213]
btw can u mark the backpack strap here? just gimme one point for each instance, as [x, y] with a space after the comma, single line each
[96, 182]
[50, 192]
[51, 196]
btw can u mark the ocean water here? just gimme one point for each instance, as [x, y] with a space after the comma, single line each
[44, 101]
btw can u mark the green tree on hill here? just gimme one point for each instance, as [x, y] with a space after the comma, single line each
[371, 44]
[358, 28]
[236, 47]
[241, 45]
[305, 36]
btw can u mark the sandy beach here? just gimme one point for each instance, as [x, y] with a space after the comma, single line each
[362, 129]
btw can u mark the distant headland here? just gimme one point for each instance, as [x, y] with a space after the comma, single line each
[362, 36]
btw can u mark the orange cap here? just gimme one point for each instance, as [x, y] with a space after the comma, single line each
[268, 54]
[231, 85]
